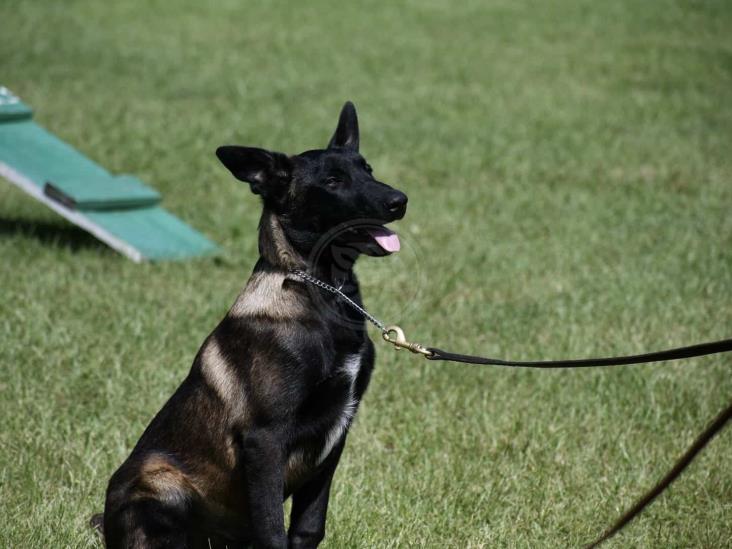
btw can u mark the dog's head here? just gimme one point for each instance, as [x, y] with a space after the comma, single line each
[323, 191]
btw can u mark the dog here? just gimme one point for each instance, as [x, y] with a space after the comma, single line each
[265, 409]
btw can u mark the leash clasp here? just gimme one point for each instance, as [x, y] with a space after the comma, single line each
[395, 335]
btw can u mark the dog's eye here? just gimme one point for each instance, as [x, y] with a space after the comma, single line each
[332, 181]
[367, 167]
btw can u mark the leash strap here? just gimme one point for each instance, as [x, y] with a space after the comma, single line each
[701, 349]
[682, 463]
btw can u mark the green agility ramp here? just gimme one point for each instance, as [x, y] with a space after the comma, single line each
[119, 210]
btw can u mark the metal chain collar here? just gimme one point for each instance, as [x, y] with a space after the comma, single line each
[393, 334]
[332, 289]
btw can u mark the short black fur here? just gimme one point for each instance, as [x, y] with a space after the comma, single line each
[264, 412]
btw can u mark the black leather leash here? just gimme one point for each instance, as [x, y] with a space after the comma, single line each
[395, 335]
[702, 349]
[682, 463]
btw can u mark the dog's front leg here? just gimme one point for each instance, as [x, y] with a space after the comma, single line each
[310, 504]
[263, 462]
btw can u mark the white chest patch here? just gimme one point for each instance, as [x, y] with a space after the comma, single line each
[351, 366]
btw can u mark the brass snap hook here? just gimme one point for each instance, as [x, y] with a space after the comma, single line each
[395, 335]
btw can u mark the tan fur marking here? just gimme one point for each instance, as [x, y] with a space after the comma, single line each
[220, 375]
[230, 453]
[159, 477]
[295, 469]
[217, 372]
[279, 251]
[265, 295]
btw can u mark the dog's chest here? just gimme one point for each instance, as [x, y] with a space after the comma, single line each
[338, 408]
[349, 369]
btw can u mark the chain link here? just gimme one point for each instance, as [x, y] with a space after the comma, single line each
[332, 289]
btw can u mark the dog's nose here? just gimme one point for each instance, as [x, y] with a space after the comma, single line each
[397, 204]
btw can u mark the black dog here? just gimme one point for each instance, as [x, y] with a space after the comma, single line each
[265, 409]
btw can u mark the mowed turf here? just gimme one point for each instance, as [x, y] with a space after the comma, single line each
[569, 171]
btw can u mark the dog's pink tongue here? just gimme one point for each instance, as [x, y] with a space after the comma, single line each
[386, 239]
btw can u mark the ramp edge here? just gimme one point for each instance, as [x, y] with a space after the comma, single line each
[75, 217]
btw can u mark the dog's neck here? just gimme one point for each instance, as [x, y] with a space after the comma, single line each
[274, 246]
[280, 250]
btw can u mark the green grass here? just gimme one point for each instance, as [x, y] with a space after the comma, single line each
[570, 184]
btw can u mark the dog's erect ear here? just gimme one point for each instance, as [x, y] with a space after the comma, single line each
[346, 134]
[265, 171]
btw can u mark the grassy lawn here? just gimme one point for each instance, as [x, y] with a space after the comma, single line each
[570, 179]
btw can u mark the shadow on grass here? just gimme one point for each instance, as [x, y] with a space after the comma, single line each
[62, 235]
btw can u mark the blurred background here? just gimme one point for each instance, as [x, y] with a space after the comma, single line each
[569, 172]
